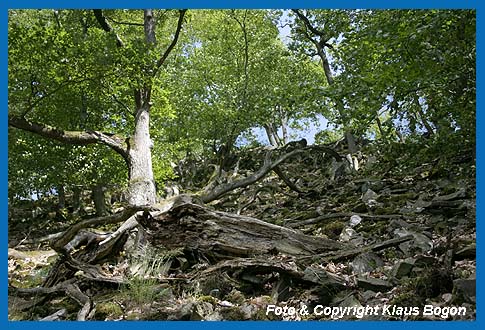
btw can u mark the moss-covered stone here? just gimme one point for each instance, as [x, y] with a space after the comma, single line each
[208, 299]
[108, 310]
[333, 229]
[236, 297]
[233, 314]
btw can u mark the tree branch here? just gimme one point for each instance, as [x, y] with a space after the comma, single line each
[286, 180]
[98, 13]
[309, 25]
[174, 40]
[265, 169]
[70, 137]
[71, 232]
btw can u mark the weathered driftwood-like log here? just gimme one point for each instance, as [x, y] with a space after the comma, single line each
[219, 235]
[69, 287]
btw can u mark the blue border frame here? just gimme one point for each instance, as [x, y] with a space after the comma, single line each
[425, 4]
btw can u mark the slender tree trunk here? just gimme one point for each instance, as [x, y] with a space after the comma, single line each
[99, 200]
[284, 126]
[422, 116]
[351, 141]
[270, 135]
[381, 130]
[61, 193]
[76, 198]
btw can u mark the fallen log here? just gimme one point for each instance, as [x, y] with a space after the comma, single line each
[219, 235]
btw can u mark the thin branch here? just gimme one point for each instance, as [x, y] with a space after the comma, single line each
[174, 40]
[98, 13]
[286, 180]
[45, 95]
[123, 23]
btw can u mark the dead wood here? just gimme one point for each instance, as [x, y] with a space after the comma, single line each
[59, 243]
[268, 165]
[219, 235]
[69, 287]
[286, 180]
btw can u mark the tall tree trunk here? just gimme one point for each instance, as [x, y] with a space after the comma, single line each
[351, 141]
[284, 126]
[141, 189]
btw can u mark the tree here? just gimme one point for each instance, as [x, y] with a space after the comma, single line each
[236, 75]
[317, 30]
[87, 58]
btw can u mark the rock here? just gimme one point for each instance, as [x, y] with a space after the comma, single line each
[421, 242]
[186, 312]
[460, 193]
[321, 277]
[425, 261]
[403, 268]
[468, 252]
[399, 223]
[355, 220]
[350, 301]
[350, 235]
[192, 311]
[336, 170]
[370, 198]
[447, 297]
[368, 295]
[214, 316]
[374, 284]
[225, 303]
[248, 310]
[465, 289]
[417, 207]
[366, 262]
[371, 161]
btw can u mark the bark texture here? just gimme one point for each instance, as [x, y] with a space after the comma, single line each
[215, 235]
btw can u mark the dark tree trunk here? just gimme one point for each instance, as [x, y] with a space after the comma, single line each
[99, 200]
[381, 130]
[351, 142]
[61, 193]
[76, 198]
[422, 116]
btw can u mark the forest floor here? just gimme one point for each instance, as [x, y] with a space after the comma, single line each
[411, 228]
